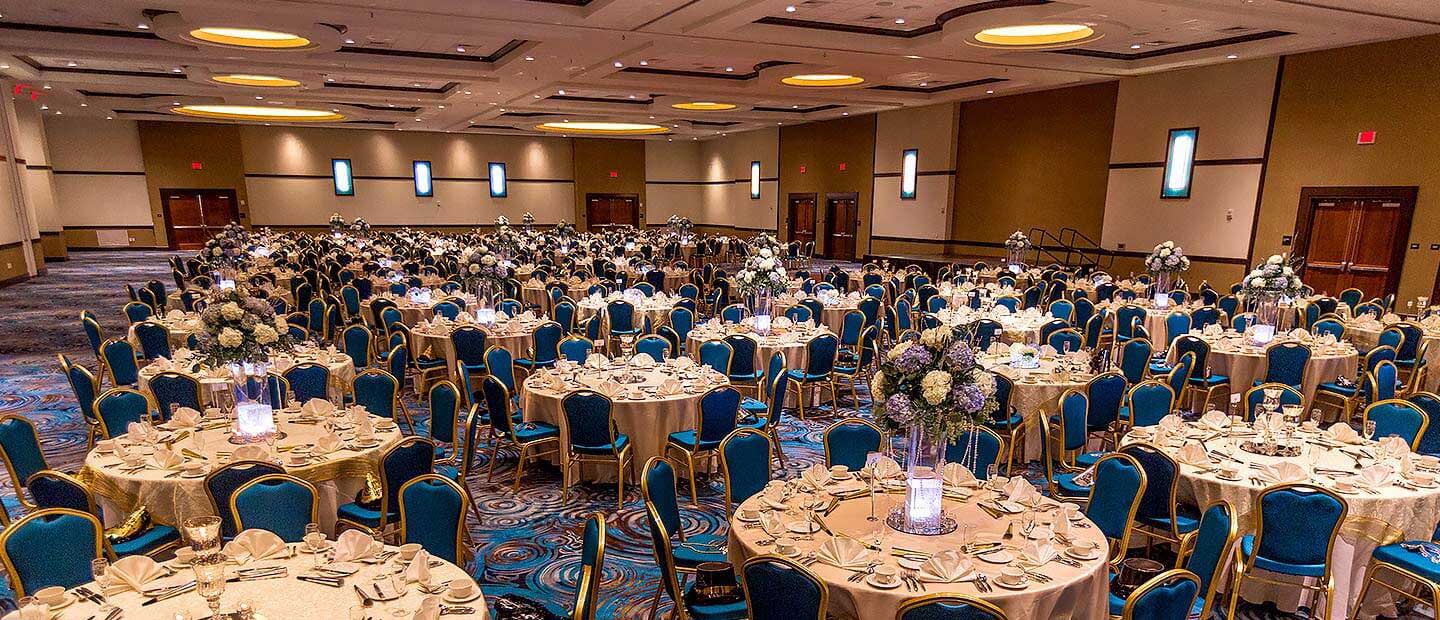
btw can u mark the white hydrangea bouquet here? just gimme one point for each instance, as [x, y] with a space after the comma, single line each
[934, 384]
[502, 221]
[1275, 276]
[1167, 258]
[483, 266]
[241, 328]
[763, 272]
[1017, 242]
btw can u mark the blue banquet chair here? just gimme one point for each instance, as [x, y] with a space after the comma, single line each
[21, 454]
[1147, 403]
[1115, 499]
[717, 355]
[949, 606]
[576, 349]
[1407, 569]
[847, 442]
[656, 347]
[279, 503]
[1161, 514]
[546, 349]
[821, 352]
[719, 410]
[501, 364]
[120, 363]
[745, 464]
[308, 380]
[378, 392]
[531, 439]
[779, 588]
[1135, 359]
[1171, 594]
[432, 514]
[154, 339]
[1287, 363]
[676, 553]
[51, 547]
[1396, 417]
[118, 407]
[175, 388]
[590, 435]
[410, 458]
[223, 482]
[53, 489]
[1255, 397]
[988, 446]
[1295, 530]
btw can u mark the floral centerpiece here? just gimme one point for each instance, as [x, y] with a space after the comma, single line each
[528, 220]
[1265, 286]
[761, 278]
[565, 229]
[934, 390]
[225, 250]
[359, 226]
[337, 223]
[1015, 247]
[1166, 260]
[502, 221]
[240, 328]
[483, 274]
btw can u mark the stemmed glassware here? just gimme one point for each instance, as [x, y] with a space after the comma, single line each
[100, 569]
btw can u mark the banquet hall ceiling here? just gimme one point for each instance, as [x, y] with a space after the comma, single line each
[502, 66]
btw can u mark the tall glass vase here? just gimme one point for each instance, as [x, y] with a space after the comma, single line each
[1014, 257]
[923, 512]
[760, 303]
[1163, 286]
[1267, 318]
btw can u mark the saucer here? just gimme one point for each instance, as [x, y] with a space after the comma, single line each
[743, 519]
[1419, 485]
[803, 527]
[1222, 476]
[792, 554]
[449, 598]
[996, 557]
[1094, 553]
[305, 548]
[910, 563]
[70, 599]
[367, 443]
[1024, 583]
[846, 476]
[873, 582]
[193, 474]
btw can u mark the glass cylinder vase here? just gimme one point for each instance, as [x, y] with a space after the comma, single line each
[1163, 286]
[760, 303]
[923, 512]
[1267, 318]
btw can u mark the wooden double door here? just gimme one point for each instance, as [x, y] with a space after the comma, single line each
[841, 222]
[194, 215]
[1354, 237]
[609, 210]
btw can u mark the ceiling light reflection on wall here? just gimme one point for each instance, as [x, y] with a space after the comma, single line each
[256, 38]
[703, 106]
[257, 113]
[822, 80]
[603, 128]
[260, 81]
[1035, 35]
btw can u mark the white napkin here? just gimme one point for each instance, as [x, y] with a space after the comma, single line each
[1299, 333]
[327, 443]
[135, 432]
[1061, 527]
[1047, 350]
[166, 458]
[34, 611]
[365, 428]
[1394, 446]
[1171, 423]
[1038, 552]
[251, 453]
[1193, 454]
[254, 544]
[1374, 475]
[957, 475]
[317, 407]
[610, 388]
[185, 417]
[1212, 330]
[134, 572]
[353, 545]
[1284, 473]
[419, 569]
[1343, 433]
[1020, 491]
[596, 360]
[684, 362]
[670, 387]
[844, 553]
[946, 567]
[429, 609]
[359, 415]
[1215, 419]
[642, 360]
[160, 364]
[816, 475]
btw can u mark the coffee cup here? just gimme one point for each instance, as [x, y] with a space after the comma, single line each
[1428, 460]
[1310, 425]
[1084, 547]
[1422, 479]
[1011, 575]
[194, 468]
[460, 589]
[298, 459]
[1071, 510]
[749, 512]
[839, 471]
[408, 551]
[886, 574]
[134, 459]
[52, 596]
[315, 541]
[1230, 471]
[105, 446]
[785, 546]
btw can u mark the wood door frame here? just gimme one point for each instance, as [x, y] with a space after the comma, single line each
[790, 226]
[1406, 195]
[165, 207]
[853, 196]
[636, 197]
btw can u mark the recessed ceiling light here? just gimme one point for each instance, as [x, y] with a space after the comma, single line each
[989, 92]
[1232, 56]
[603, 128]
[1135, 46]
[729, 68]
[823, 80]
[349, 41]
[256, 113]
[536, 96]
[924, 83]
[899, 20]
[790, 9]
[844, 114]
[467, 92]
[44, 107]
[561, 91]
[913, 57]
[417, 120]
[72, 64]
[261, 81]
[4, 66]
[250, 38]
[329, 79]
[46, 87]
[619, 64]
[795, 107]
[143, 26]
[703, 106]
[529, 58]
[460, 48]
[644, 63]
[84, 105]
[177, 70]
[632, 96]
[1034, 35]
[174, 103]
[259, 97]
[59, 113]
[109, 118]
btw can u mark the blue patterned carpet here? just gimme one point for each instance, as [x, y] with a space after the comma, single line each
[527, 543]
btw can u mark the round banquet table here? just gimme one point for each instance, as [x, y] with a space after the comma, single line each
[1072, 593]
[1022, 328]
[1244, 363]
[1410, 512]
[212, 379]
[170, 498]
[178, 323]
[648, 420]
[833, 313]
[656, 309]
[285, 598]
[1365, 335]
[411, 312]
[1037, 392]
[515, 335]
[673, 278]
[792, 343]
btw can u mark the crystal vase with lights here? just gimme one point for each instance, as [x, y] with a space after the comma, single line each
[760, 304]
[254, 415]
[923, 512]
[1163, 286]
[1267, 318]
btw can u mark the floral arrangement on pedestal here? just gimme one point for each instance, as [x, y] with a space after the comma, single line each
[565, 229]
[502, 221]
[766, 241]
[359, 226]
[337, 223]
[483, 272]
[1015, 246]
[763, 274]
[1275, 276]
[528, 220]
[1167, 258]
[933, 390]
[241, 328]
[680, 225]
[225, 250]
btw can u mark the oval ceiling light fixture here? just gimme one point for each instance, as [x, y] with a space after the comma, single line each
[1034, 35]
[250, 38]
[603, 128]
[703, 106]
[258, 113]
[250, 79]
[822, 80]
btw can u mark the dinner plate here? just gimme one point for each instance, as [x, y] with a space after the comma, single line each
[1094, 554]
[910, 563]
[996, 557]
[873, 581]
[474, 594]
[803, 527]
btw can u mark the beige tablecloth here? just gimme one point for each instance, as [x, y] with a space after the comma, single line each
[1037, 392]
[1246, 365]
[519, 341]
[1366, 336]
[1073, 592]
[172, 498]
[1410, 512]
[656, 310]
[793, 346]
[286, 598]
[342, 373]
[179, 325]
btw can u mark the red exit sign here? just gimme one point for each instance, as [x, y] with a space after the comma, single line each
[195, 165]
[614, 174]
[1366, 137]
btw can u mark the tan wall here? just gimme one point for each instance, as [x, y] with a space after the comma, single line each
[99, 189]
[169, 148]
[1034, 159]
[709, 181]
[821, 147]
[903, 226]
[595, 158]
[1326, 99]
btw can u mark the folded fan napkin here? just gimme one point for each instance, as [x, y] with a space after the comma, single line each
[429, 609]
[1020, 491]
[185, 417]
[160, 364]
[34, 611]
[1047, 350]
[886, 468]
[1171, 423]
[997, 348]
[282, 363]
[1343, 433]
[136, 432]
[317, 407]
[596, 360]
[1394, 446]
[255, 544]
[1215, 420]
[684, 362]
[1193, 454]
[1390, 318]
[134, 572]
[817, 475]
[772, 523]
[1061, 527]
[327, 443]
[945, 567]
[1299, 333]
[957, 475]
[1284, 473]
[353, 545]
[1374, 475]
[365, 428]
[1038, 552]
[251, 453]
[1212, 329]
[782, 322]
[642, 360]
[419, 569]
[670, 387]
[166, 458]
[845, 553]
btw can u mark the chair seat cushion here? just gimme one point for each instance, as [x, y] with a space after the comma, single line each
[686, 439]
[369, 517]
[756, 422]
[529, 363]
[1247, 549]
[699, 548]
[1159, 369]
[1187, 519]
[1210, 380]
[147, 541]
[426, 363]
[1089, 458]
[1412, 561]
[1065, 483]
[621, 441]
[752, 406]
[535, 431]
[802, 376]
[449, 471]
[1335, 388]
[723, 611]
[1014, 421]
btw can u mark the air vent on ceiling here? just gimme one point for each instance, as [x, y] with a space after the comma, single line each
[1235, 29]
[377, 42]
[873, 18]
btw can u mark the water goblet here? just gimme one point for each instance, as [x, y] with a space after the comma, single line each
[1369, 429]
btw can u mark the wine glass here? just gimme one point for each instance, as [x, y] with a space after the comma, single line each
[310, 530]
[1317, 416]
[1369, 429]
[210, 580]
[100, 569]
